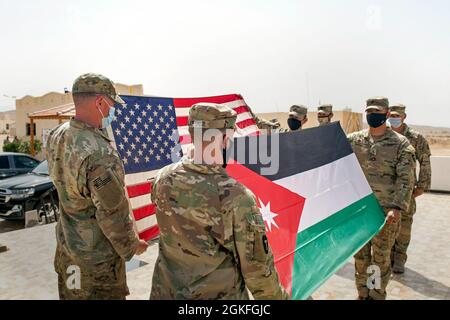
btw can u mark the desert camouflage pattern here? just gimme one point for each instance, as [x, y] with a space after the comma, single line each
[388, 163]
[398, 109]
[264, 124]
[213, 243]
[376, 252]
[323, 114]
[211, 116]
[298, 111]
[423, 154]
[325, 109]
[378, 103]
[95, 231]
[96, 83]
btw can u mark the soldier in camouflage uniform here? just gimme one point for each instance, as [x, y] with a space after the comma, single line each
[95, 233]
[298, 116]
[420, 144]
[388, 161]
[324, 114]
[213, 243]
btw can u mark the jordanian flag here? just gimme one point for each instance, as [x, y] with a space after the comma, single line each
[318, 208]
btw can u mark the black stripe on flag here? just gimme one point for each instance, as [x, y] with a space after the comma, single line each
[299, 151]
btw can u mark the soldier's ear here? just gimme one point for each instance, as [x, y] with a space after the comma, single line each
[404, 117]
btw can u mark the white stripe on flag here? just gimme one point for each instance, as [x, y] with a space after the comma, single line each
[235, 104]
[182, 112]
[246, 131]
[141, 201]
[138, 178]
[146, 223]
[328, 189]
[244, 116]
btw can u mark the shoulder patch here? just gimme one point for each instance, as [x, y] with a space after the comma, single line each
[100, 182]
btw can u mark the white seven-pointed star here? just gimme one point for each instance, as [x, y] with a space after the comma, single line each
[268, 216]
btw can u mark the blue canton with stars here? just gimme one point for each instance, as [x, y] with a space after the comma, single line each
[145, 132]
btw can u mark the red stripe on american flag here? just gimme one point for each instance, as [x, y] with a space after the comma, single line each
[150, 233]
[139, 189]
[189, 102]
[144, 212]
[241, 109]
[246, 123]
[182, 121]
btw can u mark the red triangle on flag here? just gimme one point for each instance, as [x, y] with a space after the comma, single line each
[281, 210]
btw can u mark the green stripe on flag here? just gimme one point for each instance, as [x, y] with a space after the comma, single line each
[325, 247]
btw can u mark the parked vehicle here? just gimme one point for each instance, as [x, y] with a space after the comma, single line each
[13, 164]
[31, 191]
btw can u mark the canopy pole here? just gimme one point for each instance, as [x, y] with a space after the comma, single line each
[32, 137]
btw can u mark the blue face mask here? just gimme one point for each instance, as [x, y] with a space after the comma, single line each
[376, 120]
[395, 122]
[106, 122]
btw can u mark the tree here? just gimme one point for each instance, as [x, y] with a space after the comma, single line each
[22, 146]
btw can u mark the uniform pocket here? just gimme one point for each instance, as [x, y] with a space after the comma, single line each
[258, 244]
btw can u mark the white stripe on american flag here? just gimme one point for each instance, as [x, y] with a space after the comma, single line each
[138, 178]
[140, 201]
[146, 223]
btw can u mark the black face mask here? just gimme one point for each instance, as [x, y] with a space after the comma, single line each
[294, 124]
[376, 120]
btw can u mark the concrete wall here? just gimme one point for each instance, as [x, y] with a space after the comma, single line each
[440, 177]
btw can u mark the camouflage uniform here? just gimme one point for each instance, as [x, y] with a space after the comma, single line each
[388, 163]
[212, 242]
[324, 110]
[423, 153]
[94, 232]
[298, 112]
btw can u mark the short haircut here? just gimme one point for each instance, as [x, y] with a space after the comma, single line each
[80, 98]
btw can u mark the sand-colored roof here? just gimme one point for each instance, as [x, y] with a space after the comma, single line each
[65, 111]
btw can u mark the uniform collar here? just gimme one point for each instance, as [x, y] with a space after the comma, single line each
[83, 126]
[405, 129]
[386, 135]
[189, 164]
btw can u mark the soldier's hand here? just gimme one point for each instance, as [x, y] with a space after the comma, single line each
[142, 247]
[393, 216]
[418, 192]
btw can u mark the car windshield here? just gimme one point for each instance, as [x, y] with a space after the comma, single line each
[42, 168]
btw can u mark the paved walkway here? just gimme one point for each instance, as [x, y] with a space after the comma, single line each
[26, 270]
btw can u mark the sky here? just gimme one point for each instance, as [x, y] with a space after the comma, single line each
[275, 53]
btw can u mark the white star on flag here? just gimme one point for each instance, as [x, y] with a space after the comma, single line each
[268, 215]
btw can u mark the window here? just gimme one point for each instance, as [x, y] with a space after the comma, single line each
[28, 129]
[21, 162]
[7, 126]
[4, 162]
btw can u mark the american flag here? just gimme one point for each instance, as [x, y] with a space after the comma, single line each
[150, 133]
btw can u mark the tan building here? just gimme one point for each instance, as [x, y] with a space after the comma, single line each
[7, 122]
[56, 101]
[350, 121]
[29, 104]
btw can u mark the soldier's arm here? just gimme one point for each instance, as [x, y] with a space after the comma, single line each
[105, 184]
[423, 156]
[404, 185]
[255, 256]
